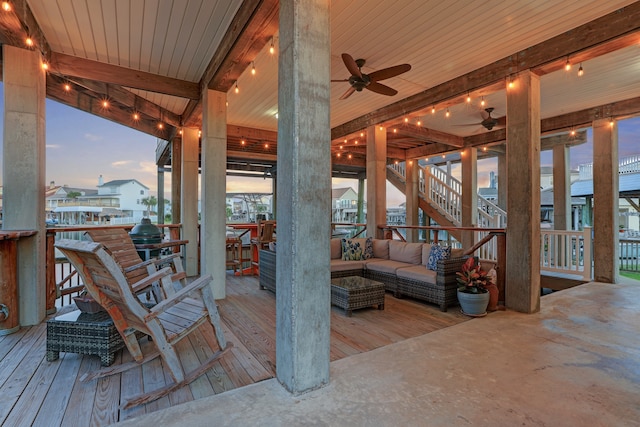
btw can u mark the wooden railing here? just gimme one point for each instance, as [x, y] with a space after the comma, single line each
[62, 281]
[566, 252]
[351, 229]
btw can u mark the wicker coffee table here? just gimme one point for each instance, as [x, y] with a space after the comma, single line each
[353, 292]
[84, 333]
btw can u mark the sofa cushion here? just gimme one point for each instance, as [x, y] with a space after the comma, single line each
[410, 253]
[336, 249]
[437, 253]
[417, 272]
[381, 248]
[340, 265]
[386, 266]
[426, 250]
[357, 249]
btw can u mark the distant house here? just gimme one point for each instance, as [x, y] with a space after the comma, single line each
[118, 198]
[344, 205]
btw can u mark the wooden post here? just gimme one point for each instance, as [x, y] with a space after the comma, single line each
[51, 286]
[9, 320]
[501, 266]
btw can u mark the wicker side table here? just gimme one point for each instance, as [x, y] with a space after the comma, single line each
[77, 332]
[353, 292]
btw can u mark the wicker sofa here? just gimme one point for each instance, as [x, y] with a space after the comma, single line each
[401, 266]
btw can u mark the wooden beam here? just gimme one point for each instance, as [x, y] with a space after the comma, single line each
[86, 101]
[17, 24]
[566, 122]
[131, 100]
[73, 66]
[605, 34]
[548, 142]
[431, 135]
[251, 133]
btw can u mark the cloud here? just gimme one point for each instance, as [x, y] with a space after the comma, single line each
[92, 137]
[53, 146]
[121, 163]
[147, 167]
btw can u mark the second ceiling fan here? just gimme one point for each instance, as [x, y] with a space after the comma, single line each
[360, 80]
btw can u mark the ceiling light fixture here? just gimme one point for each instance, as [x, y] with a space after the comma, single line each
[580, 71]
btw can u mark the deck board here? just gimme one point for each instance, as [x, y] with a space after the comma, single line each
[37, 392]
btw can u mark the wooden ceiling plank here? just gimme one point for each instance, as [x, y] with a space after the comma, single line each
[610, 30]
[431, 135]
[67, 65]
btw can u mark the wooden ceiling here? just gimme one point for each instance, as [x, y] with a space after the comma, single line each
[153, 58]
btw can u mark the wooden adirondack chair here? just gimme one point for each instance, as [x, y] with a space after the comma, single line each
[119, 245]
[166, 323]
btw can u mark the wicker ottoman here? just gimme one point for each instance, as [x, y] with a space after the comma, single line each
[353, 292]
[76, 332]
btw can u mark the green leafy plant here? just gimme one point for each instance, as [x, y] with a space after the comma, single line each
[473, 279]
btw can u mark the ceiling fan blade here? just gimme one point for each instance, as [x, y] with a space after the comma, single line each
[348, 93]
[381, 89]
[341, 80]
[351, 65]
[387, 73]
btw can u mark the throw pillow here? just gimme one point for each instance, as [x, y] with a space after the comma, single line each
[356, 249]
[437, 253]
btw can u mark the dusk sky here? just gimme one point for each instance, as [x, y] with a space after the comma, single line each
[81, 146]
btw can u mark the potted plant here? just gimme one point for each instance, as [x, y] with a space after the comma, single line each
[473, 294]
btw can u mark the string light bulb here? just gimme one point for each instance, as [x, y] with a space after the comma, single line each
[419, 123]
[272, 49]
[136, 116]
[350, 156]
[567, 65]
[361, 134]
[29, 42]
[573, 132]
[447, 114]
[45, 66]
[6, 6]
[611, 122]
[511, 84]
[433, 109]
[580, 71]
[236, 90]
[338, 154]
[253, 68]
[266, 146]
[482, 103]
[242, 142]
[105, 103]
[356, 142]
[468, 98]
[160, 125]
[406, 119]
[67, 87]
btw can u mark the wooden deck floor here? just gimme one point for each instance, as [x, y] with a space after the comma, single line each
[36, 392]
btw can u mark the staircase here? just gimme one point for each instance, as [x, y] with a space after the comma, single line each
[440, 197]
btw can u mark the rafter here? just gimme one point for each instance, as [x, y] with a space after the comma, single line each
[72, 66]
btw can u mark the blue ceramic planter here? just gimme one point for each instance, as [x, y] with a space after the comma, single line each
[473, 304]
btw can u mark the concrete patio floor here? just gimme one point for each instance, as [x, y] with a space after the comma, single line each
[575, 363]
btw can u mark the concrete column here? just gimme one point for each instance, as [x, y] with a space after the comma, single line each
[303, 301]
[176, 180]
[412, 202]
[561, 188]
[502, 181]
[214, 189]
[189, 200]
[24, 174]
[160, 195]
[376, 180]
[605, 201]
[274, 197]
[469, 160]
[523, 204]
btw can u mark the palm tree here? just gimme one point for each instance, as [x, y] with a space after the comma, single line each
[149, 202]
